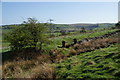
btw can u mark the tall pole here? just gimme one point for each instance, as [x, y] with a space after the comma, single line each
[50, 21]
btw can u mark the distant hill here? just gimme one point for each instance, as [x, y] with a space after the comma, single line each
[93, 26]
[86, 26]
[69, 26]
[106, 25]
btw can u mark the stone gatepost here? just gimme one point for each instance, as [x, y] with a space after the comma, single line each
[63, 43]
[75, 41]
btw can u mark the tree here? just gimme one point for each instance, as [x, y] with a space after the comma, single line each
[63, 32]
[118, 25]
[50, 20]
[82, 29]
[31, 35]
[51, 26]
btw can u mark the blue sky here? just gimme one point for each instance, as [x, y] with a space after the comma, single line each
[61, 12]
[119, 11]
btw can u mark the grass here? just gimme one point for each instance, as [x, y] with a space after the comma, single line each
[27, 69]
[38, 67]
[56, 41]
[102, 63]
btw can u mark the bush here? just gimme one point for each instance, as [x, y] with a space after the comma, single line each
[117, 25]
[63, 32]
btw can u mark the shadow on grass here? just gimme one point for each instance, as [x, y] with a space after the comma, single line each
[7, 56]
[25, 54]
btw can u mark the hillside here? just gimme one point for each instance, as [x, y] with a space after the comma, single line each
[94, 26]
[102, 63]
[78, 54]
[67, 26]
[97, 58]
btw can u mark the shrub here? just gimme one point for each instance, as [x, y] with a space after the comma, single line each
[118, 25]
[82, 30]
[63, 32]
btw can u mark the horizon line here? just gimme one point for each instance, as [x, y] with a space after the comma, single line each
[68, 23]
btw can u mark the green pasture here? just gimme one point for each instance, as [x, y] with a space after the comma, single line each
[56, 41]
[102, 63]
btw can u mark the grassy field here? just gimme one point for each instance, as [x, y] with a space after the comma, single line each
[56, 41]
[102, 63]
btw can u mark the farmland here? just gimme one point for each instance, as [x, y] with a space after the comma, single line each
[95, 58]
[57, 39]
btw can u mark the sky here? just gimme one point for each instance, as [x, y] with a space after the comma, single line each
[119, 11]
[59, 0]
[60, 12]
